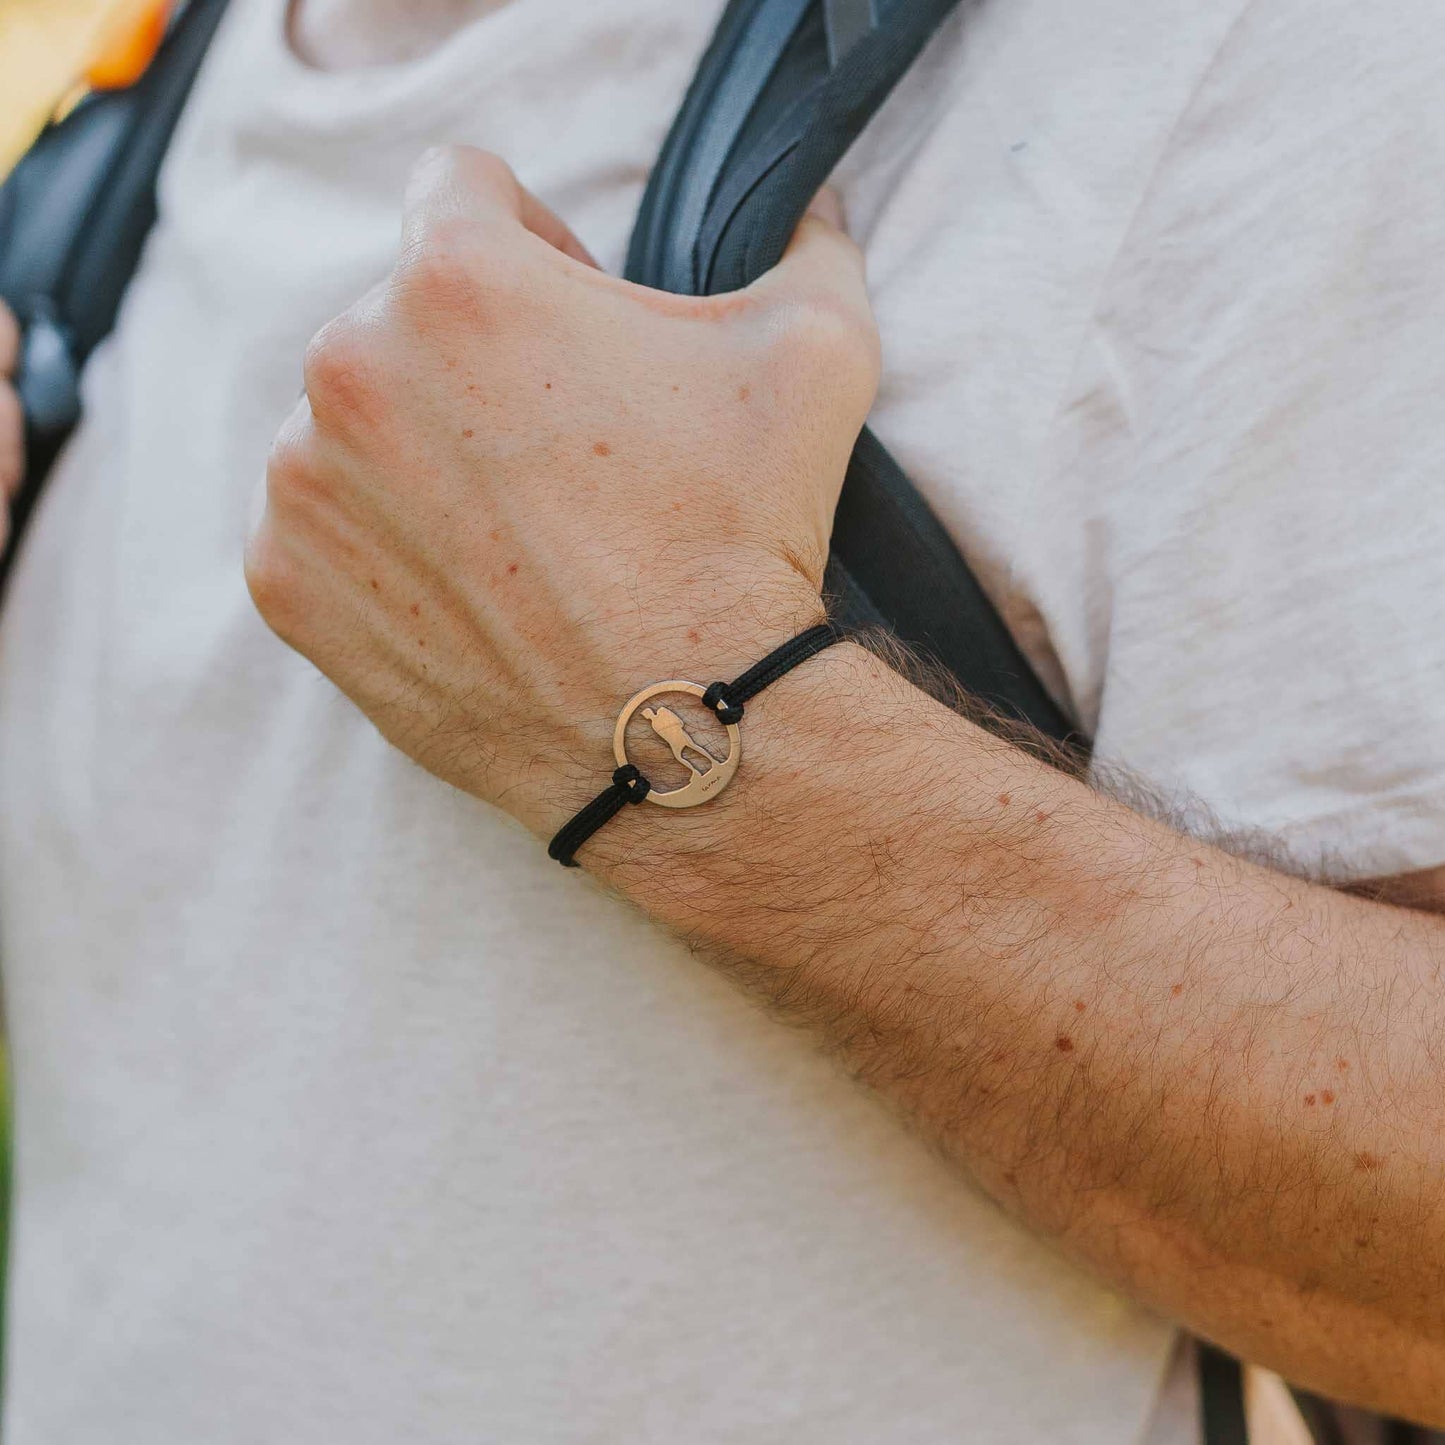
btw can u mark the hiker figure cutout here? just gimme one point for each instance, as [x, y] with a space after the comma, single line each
[707, 774]
[669, 727]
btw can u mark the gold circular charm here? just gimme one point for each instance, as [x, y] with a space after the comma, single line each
[710, 775]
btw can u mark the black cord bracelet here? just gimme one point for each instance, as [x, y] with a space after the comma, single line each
[725, 700]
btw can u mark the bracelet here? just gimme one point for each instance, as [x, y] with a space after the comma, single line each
[725, 701]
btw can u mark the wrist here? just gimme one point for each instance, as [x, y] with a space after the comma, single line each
[711, 627]
[818, 748]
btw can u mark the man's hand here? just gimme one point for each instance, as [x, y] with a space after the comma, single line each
[518, 487]
[12, 422]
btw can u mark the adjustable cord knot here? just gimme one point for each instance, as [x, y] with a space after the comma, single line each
[629, 786]
[715, 701]
[630, 783]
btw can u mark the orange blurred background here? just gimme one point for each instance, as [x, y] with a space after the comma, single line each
[51, 48]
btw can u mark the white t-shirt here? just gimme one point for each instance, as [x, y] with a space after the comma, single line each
[345, 1115]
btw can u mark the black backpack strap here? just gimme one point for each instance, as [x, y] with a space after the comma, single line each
[784, 89]
[74, 215]
[1221, 1398]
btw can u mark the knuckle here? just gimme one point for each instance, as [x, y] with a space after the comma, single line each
[271, 580]
[433, 158]
[852, 249]
[827, 338]
[490, 165]
[493, 172]
[461, 167]
[440, 275]
[293, 477]
[440, 163]
[340, 373]
[453, 280]
[834, 331]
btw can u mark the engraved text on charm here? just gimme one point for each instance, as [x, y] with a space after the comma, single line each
[709, 774]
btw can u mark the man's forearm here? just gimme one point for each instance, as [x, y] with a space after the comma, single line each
[1218, 1085]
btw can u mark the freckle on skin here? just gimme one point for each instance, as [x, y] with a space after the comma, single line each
[421, 642]
[1005, 799]
[496, 536]
[1041, 816]
[1327, 1097]
[1011, 1179]
[469, 434]
[602, 449]
[512, 570]
[1366, 1162]
[1343, 1065]
[1310, 1100]
[1064, 1044]
[416, 609]
[1080, 1006]
[1362, 1241]
[1176, 990]
[549, 386]
[693, 635]
[744, 392]
[375, 585]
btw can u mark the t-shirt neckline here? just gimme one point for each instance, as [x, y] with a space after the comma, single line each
[409, 95]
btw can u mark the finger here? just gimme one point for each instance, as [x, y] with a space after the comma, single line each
[821, 263]
[9, 341]
[12, 441]
[293, 435]
[827, 205]
[461, 184]
[543, 222]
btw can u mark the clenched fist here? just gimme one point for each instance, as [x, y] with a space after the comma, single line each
[12, 424]
[518, 488]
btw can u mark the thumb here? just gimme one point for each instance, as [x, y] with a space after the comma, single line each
[821, 263]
